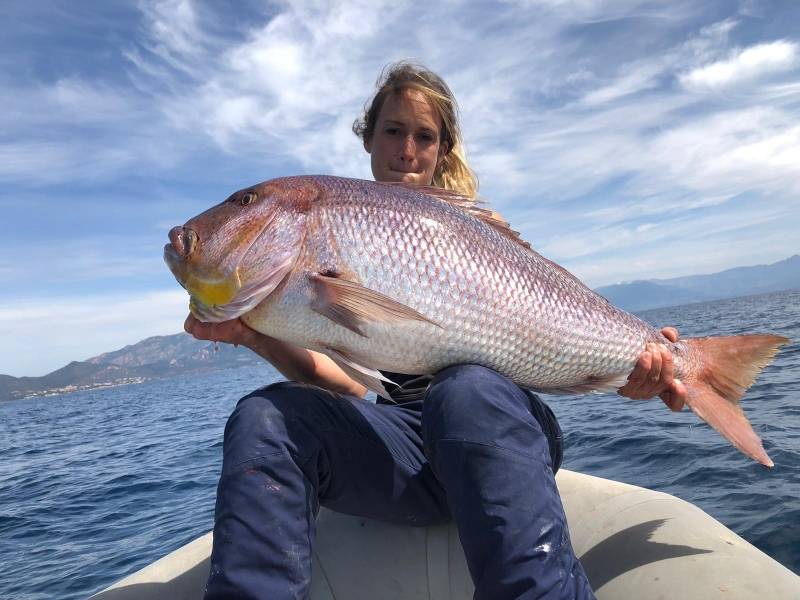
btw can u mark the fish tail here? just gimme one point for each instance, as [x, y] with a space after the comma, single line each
[723, 370]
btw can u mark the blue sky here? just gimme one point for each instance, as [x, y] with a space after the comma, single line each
[625, 139]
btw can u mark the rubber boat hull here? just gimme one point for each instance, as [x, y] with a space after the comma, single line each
[633, 543]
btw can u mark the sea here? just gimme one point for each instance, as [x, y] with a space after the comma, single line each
[97, 484]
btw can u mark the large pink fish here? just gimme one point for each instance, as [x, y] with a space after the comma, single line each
[411, 280]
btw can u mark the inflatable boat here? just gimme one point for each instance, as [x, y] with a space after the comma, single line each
[634, 543]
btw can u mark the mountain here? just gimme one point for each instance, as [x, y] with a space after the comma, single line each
[166, 356]
[153, 358]
[740, 281]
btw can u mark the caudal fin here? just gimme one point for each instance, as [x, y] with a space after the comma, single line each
[727, 367]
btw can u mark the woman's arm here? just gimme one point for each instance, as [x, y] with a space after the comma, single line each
[295, 363]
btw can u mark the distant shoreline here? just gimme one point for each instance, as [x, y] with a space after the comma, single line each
[68, 389]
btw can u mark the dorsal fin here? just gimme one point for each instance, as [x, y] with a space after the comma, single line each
[490, 217]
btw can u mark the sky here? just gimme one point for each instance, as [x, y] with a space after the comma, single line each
[625, 139]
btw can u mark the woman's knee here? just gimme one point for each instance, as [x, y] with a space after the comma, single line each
[467, 400]
[259, 424]
[464, 377]
[266, 407]
[471, 389]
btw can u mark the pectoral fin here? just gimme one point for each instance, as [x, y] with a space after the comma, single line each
[369, 378]
[351, 305]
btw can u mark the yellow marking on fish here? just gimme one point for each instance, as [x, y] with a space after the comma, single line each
[214, 293]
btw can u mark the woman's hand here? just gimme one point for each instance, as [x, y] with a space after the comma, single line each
[654, 375]
[231, 332]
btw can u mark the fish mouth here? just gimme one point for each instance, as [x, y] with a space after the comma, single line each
[171, 256]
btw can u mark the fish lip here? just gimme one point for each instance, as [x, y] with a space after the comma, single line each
[170, 254]
[174, 261]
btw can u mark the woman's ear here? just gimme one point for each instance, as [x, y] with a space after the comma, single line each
[368, 145]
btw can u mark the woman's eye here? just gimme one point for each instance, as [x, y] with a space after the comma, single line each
[248, 198]
[392, 131]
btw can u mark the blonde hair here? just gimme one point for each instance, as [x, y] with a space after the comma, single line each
[452, 172]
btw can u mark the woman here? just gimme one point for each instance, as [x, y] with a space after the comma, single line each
[312, 441]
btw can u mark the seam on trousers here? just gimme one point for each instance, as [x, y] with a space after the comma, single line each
[494, 446]
[312, 509]
[378, 444]
[304, 460]
[227, 472]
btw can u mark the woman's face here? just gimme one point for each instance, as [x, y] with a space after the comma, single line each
[405, 144]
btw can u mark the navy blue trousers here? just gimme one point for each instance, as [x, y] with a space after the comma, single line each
[478, 450]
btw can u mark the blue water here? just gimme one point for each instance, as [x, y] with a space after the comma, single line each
[94, 485]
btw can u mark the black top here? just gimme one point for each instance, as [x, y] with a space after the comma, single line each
[409, 388]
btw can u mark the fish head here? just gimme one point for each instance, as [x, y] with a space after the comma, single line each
[232, 256]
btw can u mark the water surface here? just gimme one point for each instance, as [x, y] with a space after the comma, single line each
[97, 484]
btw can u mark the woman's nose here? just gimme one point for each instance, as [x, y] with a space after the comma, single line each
[408, 148]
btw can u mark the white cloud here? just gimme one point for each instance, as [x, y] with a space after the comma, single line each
[581, 11]
[637, 79]
[674, 256]
[746, 65]
[77, 130]
[77, 328]
[177, 32]
[38, 162]
[670, 152]
[280, 90]
[87, 259]
[751, 8]
[731, 151]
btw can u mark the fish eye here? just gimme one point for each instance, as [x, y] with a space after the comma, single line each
[248, 198]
